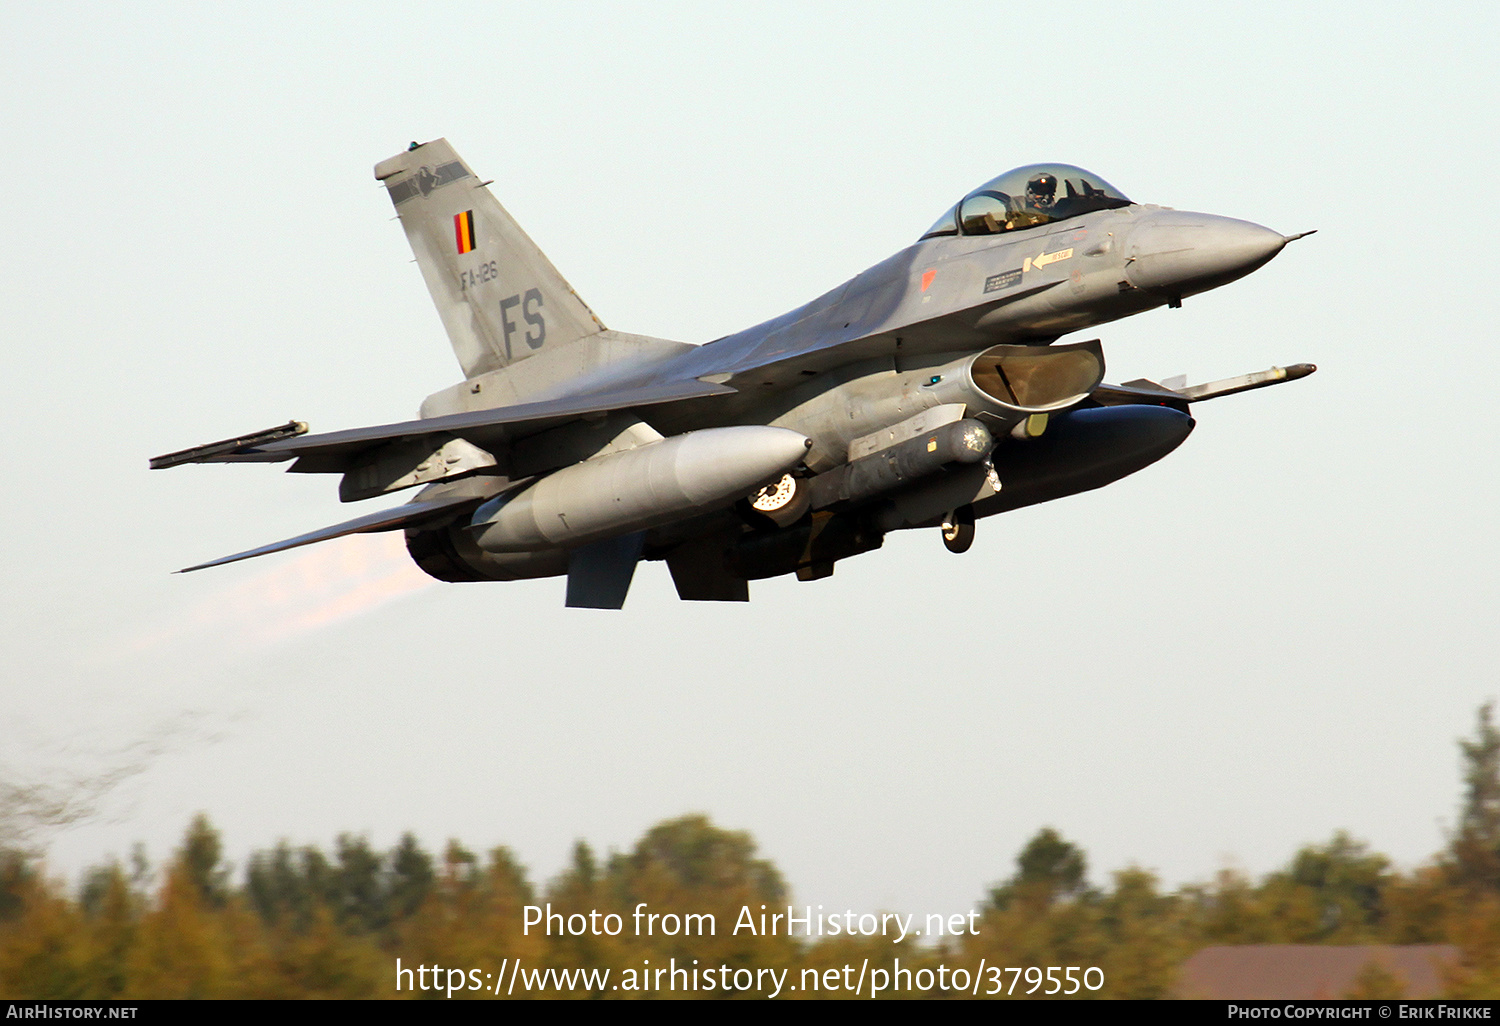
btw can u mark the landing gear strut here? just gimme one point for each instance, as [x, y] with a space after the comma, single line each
[958, 529]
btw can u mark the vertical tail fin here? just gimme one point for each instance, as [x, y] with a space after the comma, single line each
[500, 298]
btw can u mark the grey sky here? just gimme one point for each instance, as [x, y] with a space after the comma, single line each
[1277, 632]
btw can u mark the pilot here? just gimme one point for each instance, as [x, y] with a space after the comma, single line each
[1041, 192]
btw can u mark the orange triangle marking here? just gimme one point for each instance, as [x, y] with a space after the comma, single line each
[927, 277]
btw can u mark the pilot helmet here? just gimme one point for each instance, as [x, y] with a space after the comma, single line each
[1041, 190]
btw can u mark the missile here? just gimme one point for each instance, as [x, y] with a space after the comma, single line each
[652, 484]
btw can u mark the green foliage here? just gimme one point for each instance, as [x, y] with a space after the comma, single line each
[1332, 893]
[1047, 870]
[200, 859]
[1049, 861]
[284, 886]
[363, 891]
[308, 923]
[15, 875]
[411, 877]
[692, 852]
[1474, 851]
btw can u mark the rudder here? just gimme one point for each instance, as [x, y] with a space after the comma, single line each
[500, 298]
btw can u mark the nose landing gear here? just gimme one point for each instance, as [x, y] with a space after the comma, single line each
[958, 529]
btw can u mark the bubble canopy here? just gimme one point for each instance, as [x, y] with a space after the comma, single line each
[1026, 197]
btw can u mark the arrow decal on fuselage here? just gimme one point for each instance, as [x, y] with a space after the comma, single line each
[1038, 262]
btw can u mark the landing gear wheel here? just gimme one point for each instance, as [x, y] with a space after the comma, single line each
[958, 529]
[782, 502]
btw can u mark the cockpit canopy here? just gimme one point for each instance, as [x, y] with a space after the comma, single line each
[1026, 197]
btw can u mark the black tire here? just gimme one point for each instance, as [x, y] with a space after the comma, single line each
[958, 529]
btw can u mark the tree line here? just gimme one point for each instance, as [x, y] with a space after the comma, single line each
[304, 922]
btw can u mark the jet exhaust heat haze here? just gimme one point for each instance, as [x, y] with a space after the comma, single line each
[930, 391]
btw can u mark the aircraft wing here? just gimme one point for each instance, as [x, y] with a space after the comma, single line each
[478, 426]
[385, 520]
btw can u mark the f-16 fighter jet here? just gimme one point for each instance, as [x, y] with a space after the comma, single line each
[930, 391]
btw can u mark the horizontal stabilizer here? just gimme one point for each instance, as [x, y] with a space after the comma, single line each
[385, 520]
[481, 427]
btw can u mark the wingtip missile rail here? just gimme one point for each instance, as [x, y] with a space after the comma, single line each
[1246, 382]
[205, 453]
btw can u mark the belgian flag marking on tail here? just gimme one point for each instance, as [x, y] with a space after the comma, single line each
[463, 231]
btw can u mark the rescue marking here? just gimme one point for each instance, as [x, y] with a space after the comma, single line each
[927, 277]
[1039, 262]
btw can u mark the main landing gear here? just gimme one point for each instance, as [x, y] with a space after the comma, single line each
[783, 503]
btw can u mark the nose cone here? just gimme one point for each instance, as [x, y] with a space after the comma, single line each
[1181, 252]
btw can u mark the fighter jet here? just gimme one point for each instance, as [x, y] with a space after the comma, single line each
[929, 391]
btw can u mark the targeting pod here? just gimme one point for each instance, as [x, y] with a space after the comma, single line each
[966, 441]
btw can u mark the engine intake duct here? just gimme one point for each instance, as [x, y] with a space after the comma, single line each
[965, 441]
[1010, 382]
